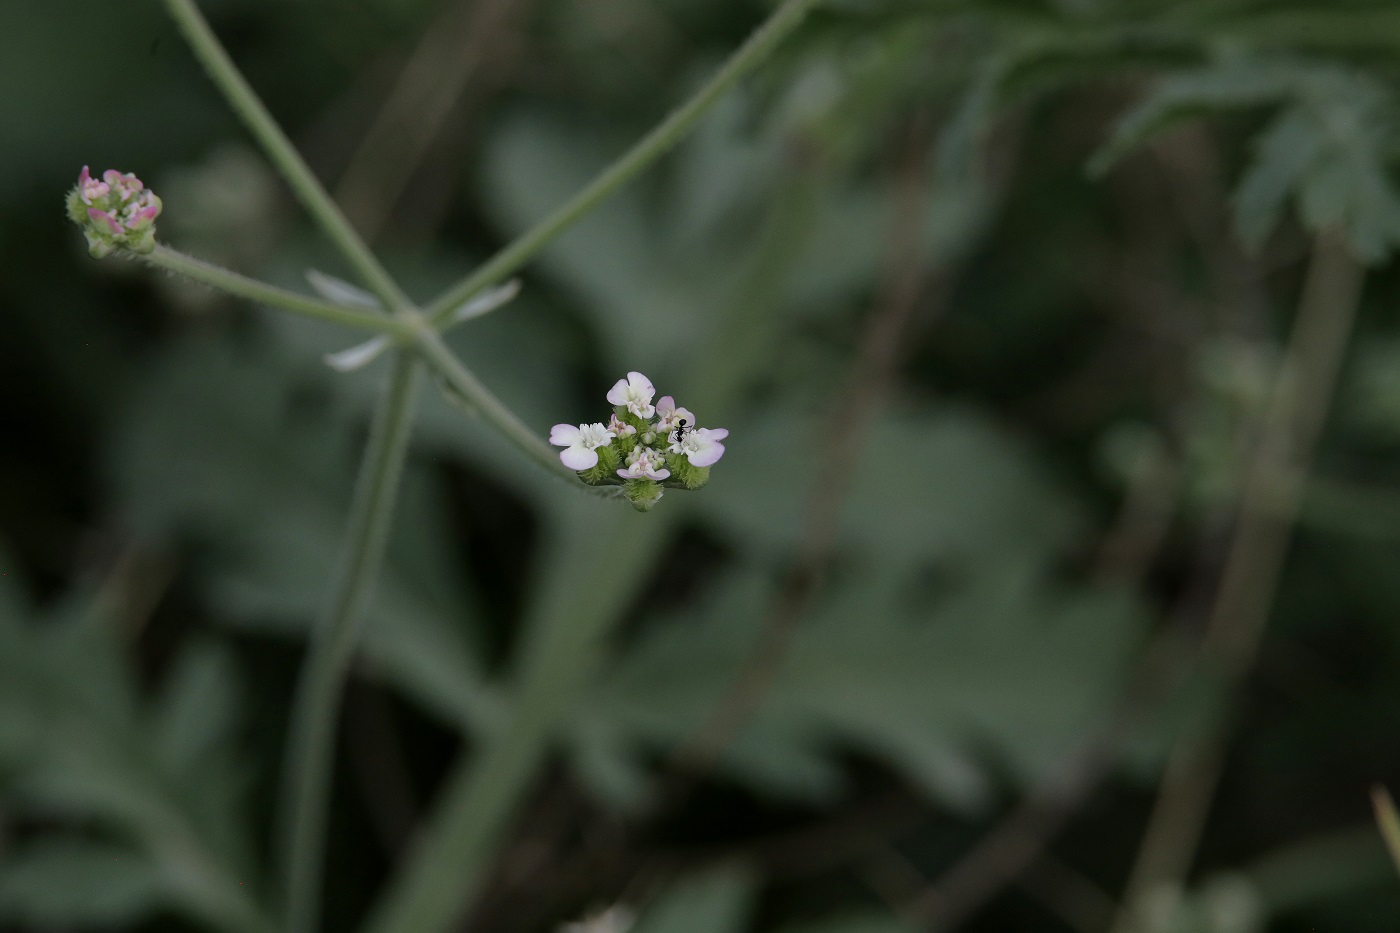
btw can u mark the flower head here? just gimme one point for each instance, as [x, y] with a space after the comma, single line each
[579, 443]
[644, 463]
[644, 448]
[635, 393]
[669, 416]
[116, 212]
[701, 446]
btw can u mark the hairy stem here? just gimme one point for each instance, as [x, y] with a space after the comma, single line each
[311, 736]
[241, 286]
[651, 147]
[283, 154]
[1273, 494]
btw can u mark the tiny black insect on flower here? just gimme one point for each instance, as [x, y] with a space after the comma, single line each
[679, 433]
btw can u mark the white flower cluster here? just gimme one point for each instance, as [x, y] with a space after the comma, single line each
[642, 445]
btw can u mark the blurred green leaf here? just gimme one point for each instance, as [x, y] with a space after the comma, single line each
[1002, 663]
[718, 901]
[63, 882]
[265, 471]
[857, 923]
[1328, 147]
[939, 485]
[74, 746]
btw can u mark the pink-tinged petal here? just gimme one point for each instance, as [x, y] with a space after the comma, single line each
[103, 217]
[618, 393]
[716, 434]
[578, 458]
[707, 455]
[661, 473]
[666, 405]
[143, 216]
[641, 382]
[565, 435]
[84, 176]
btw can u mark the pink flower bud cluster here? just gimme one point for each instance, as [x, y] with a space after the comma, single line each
[115, 212]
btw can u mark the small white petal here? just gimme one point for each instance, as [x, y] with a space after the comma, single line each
[707, 454]
[618, 393]
[339, 291]
[358, 356]
[487, 301]
[565, 435]
[578, 458]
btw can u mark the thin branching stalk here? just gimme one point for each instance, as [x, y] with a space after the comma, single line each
[262, 293]
[1272, 496]
[311, 739]
[443, 875]
[307, 767]
[596, 566]
[651, 147]
[283, 154]
[491, 409]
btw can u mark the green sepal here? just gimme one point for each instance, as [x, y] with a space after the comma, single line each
[624, 414]
[643, 493]
[77, 210]
[605, 468]
[99, 246]
[142, 243]
[688, 475]
[625, 445]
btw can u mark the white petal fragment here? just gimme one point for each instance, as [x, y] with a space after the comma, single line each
[487, 301]
[358, 356]
[340, 291]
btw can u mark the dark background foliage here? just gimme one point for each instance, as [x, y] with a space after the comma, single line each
[1031, 263]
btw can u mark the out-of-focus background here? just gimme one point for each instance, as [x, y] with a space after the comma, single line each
[991, 297]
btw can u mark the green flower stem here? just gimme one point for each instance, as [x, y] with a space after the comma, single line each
[283, 154]
[491, 409]
[311, 736]
[566, 630]
[591, 577]
[261, 293]
[651, 147]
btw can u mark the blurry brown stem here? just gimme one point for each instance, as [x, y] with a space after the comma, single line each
[453, 49]
[1018, 840]
[1272, 494]
[870, 378]
[1142, 522]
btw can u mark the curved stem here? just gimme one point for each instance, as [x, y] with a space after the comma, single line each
[242, 286]
[647, 150]
[563, 643]
[280, 150]
[311, 737]
[1272, 497]
[495, 412]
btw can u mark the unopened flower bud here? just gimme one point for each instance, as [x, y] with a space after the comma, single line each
[117, 212]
